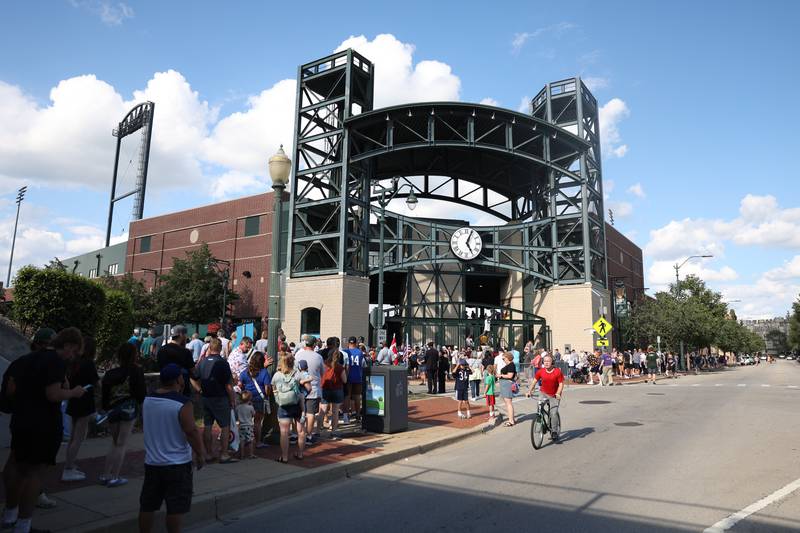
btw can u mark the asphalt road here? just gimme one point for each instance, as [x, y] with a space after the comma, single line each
[677, 456]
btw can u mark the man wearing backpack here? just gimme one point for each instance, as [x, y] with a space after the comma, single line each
[315, 368]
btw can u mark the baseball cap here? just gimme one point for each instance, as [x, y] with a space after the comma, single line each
[310, 340]
[302, 364]
[170, 373]
[177, 331]
[44, 335]
[462, 361]
[352, 340]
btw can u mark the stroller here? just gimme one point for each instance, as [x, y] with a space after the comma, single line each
[579, 375]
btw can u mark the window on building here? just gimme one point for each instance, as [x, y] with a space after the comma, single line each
[144, 244]
[621, 257]
[252, 226]
[93, 273]
[310, 321]
[113, 270]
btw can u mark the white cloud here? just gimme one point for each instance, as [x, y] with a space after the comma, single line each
[637, 190]
[681, 238]
[397, 78]
[111, 13]
[766, 298]
[620, 209]
[490, 101]
[662, 273]
[525, 105]
[610, 115]
[595, 83]
[789, 270]
[519, 39]
[234, 184]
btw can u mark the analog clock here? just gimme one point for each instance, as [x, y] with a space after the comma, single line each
[466, 243]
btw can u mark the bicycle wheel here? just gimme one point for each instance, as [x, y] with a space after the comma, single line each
[537, 432]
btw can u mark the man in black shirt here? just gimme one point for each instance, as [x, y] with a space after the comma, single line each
[37, 388]
[212, 379]
[176, 352]
[431, 364]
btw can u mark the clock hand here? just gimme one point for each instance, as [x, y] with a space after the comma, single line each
[469, 246]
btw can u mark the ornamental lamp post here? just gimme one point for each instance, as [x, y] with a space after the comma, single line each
[385, 196]
[279, 168]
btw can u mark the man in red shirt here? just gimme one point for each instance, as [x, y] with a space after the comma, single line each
[552, 384]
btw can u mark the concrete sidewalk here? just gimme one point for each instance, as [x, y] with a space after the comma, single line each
[222, 489]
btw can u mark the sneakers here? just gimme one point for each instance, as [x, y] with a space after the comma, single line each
[461, 415]
[72, 474]
[554, 435]
[293, 438]
[345, 419]
[309, 441]
[116, 482]
[44, 502]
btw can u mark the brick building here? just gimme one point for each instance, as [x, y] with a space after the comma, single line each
[239, 231]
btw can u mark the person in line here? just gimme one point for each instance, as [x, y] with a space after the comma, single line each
[175, 352]
[475, 377]
[593, 360]
[312, 406]
[607, 363]
[82, 373]
[123, 392]
[239, 357]
[212, 379]
[462, 373]
[261, 344]
[431, 364]
[508, 375]
[256, 380]
[195, 346]
[652, 364]
[34, 387]
[551, 386]
[442, 369]
[332, 383]
[489, 381]
[170, 436]
[384, 355]
[289, 398]
[355, 370]
[245, 413]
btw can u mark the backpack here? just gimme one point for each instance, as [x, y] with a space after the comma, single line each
[332, 378]
[287, 390]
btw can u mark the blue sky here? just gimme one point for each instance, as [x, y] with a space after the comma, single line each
[699, 118]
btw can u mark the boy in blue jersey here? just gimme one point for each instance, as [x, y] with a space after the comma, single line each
[354, 362]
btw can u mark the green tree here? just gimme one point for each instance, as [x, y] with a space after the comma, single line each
[57, 299]
[192, 290]
[116, 324]
[141, 298]
[794, 326]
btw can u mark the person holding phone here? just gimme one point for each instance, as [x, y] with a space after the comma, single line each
[82, 372]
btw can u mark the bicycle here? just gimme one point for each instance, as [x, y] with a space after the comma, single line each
[542, 423]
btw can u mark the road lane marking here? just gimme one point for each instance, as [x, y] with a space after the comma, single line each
[766, 385]
[742, 385]
[718, 384]
[695, 385]
[730, 521]
[791, 386]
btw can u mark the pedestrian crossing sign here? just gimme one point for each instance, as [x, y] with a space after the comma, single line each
[602, 327]
[602, 342]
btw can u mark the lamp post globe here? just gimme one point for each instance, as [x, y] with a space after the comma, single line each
[280, 167]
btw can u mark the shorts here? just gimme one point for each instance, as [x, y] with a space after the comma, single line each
[332, 396]
[652, 370]
[292, 412]
[462, 395]
[36, 447]
[258, 404]
[217, 409]
[490, 400]
[246, 433]
[312, 406]
[595, 370]
[354, 390]
[168, 483]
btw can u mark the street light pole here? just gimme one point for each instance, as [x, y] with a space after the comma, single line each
[677, 267]
[20, 197]
[279, 167]
[387, 194]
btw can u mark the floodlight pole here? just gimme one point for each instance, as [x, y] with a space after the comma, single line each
[20, 197]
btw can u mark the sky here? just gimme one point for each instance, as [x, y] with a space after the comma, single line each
[698, 120]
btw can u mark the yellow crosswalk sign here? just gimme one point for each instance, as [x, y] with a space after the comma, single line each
[602, 327]
[602, 342]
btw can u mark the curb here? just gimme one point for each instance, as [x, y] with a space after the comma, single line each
[213, 507]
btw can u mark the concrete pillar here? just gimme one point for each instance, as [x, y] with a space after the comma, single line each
[343, 302]
[570, 311]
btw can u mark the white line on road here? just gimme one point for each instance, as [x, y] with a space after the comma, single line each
[742, 385]
[791, 386]
[766, 385]
[718, 384]
[730, 521]
[695, 385]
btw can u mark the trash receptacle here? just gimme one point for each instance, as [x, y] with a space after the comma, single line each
[385, 399]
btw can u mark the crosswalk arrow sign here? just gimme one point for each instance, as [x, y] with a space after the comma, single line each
[602, 342]
[602, 327]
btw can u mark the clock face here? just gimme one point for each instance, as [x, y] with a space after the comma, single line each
[466, 243]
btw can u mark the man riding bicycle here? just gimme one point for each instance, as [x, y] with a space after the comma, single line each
[552, 384]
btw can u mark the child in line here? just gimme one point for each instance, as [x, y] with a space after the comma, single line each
[462, 373]
[245, 412]
[304, 379]
[489, 380]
